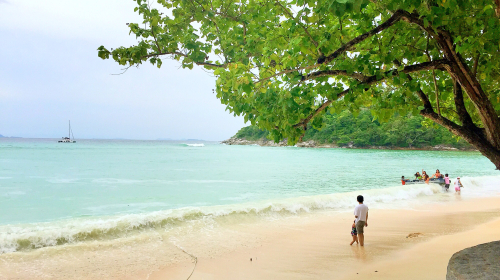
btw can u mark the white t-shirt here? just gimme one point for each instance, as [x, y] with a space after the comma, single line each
[361, 210]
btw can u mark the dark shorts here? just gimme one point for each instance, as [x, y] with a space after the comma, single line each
[360, 226]
[447, 186]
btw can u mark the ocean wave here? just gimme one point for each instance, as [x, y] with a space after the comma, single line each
[14, 193]
[195, 145]
[32, 236]
[61, 181]
[116, 181]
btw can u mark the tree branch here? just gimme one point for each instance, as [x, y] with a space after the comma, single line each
[358, 76]
[185, 55]
[303, 26]
[460, 71]
[497, 10]
[468, 130]
[476, 62]
[388, 23]
[156, 41]
[287, 71]
[348, 46]
[368, 81]
[423, 97]
[455, 128]
[323, 106]
[462, 112]
[436, 88]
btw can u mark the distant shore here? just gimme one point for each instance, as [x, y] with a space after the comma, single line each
[314, 144]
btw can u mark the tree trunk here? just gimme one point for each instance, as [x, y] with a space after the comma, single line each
[483, 145]
[492, 154]
[460, 72]
[487, 141]
[472, 135]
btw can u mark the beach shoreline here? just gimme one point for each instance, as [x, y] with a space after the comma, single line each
[307, 246]
[314, 144]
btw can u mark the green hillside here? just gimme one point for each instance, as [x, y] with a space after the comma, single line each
[362, 131]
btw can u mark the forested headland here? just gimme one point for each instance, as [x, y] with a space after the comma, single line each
[362, 131]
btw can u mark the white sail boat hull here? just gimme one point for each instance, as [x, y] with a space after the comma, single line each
[68, 139]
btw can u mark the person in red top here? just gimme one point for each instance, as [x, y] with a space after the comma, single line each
[403, 181]
[437, 174]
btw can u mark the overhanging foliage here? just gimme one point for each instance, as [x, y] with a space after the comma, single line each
[283, 64]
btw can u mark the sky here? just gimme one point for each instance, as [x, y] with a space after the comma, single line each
[50, 73]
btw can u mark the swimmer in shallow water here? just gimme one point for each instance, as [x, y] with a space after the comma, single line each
[403, 180]
[458, 185]
[446, 182]
[437, 174]
[425, 177]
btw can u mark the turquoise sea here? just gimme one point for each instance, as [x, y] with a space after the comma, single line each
[52, 194]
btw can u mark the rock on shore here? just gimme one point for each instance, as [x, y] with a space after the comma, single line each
[478, 262]
[269, 143]
[262, 142]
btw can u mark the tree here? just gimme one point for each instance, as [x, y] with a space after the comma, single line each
[282, 63]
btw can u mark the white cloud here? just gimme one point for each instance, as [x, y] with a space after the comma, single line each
[89, 19]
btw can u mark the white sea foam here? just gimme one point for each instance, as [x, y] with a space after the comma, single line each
[32, 236]
[61, 181]
[14, 193]
[195, 145]
[115, 181]
[244, 196]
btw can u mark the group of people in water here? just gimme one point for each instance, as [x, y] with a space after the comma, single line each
[424, 177]
[361, 210]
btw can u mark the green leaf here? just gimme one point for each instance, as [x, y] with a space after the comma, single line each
[247, 88]
[154, 21]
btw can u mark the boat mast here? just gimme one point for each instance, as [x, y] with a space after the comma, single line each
[69, 129]
[72, 136]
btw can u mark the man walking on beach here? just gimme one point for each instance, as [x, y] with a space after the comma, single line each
[361, 214]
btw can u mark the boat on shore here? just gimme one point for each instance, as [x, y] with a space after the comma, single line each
[439, 181]
[70, 138]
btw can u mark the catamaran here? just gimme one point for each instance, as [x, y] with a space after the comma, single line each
[70, 138]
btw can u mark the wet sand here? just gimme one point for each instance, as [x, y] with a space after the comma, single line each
[319, 248]
[306, 246]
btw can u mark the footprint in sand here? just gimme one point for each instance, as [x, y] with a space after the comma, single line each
[413, 235]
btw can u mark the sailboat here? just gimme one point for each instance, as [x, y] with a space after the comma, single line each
[70, 138]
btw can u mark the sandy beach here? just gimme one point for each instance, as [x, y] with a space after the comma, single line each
[306, 246]
[319, 248]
